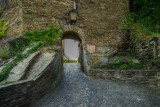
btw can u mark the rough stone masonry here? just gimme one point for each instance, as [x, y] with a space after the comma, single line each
[100, 21]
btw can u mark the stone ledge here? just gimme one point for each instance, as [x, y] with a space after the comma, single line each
[149, 78]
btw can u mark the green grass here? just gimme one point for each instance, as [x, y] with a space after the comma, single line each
[69, 61]
[8, 82]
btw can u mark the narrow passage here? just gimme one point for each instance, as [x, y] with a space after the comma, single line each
[78, 90]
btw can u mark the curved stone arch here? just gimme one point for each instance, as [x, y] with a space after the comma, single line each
[71, 28]
[80, 33]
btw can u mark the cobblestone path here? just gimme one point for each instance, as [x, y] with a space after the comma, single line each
[78, 90]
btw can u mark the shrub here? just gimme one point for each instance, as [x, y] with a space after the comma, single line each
[135, 65]
[50, 36]
[117, 61]
[124, 66]
[4, 54]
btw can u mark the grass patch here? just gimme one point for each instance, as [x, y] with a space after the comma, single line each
[70, 61]
[8, 82]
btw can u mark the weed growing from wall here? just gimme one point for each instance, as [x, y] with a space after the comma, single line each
[3, 28]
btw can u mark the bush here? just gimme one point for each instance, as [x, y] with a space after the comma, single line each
[117, 61]
[135, 65]
[124, 66]
[146, 12]
[50, 36]
[4, 54]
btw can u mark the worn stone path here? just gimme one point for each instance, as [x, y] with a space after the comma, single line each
[78, 90]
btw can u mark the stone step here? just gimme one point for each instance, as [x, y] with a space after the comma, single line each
[19, 70]
[39, 65]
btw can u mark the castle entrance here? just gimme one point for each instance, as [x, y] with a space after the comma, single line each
[71, 47]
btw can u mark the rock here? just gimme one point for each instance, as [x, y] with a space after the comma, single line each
[18, 71]
[40, 65]
[5, 63]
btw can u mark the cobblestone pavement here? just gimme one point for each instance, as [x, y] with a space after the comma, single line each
[78, 90]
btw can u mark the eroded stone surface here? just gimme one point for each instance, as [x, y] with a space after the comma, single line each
[5, 63]
[77, 90]
[18, 71]
[40, 65]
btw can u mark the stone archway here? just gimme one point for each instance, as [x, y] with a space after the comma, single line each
[81, 35]
[71, 46]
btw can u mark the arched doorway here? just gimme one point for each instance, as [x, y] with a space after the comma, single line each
[71, 46]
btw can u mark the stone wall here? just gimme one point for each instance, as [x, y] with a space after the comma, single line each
[100, 21]
[9, 44]
[149, 78]
[22, 93]
[149, 49]
[12, 14]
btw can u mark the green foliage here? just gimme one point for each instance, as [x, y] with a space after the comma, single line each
[111, 66]
[129, 20]
[155, 59]
[4, 54]
[124, 66]
[117, 61]
[121, 66]
[50, 36]
[135, 65]
[3, 28]
[5, 71]
[147, 12]
[7, 82]
[35, 40]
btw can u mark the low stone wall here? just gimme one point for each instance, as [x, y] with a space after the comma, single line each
[149, 78]
[22, 93]
[147, 50]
